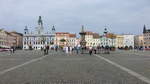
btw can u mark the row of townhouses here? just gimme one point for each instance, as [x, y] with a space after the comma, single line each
[10, 39]
[39, 39]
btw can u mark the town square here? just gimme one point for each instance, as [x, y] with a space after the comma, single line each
[62, 58]
[74, 42]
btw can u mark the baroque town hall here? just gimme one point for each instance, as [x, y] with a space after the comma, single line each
[38, 39]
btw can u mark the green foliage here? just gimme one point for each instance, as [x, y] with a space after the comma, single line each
[62, 40]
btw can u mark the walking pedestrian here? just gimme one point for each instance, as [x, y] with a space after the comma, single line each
[66, 49]
[90, 50]
[56, 48]
[47, 49]
[11, 51]
[44, 50]
[95, 50]
[70, 49]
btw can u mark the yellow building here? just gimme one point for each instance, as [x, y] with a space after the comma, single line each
[119, 41]
[138, 41]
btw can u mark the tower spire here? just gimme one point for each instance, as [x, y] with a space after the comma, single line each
[40, 22]
[26, 31]
[144, 29]
[40, 28]
[82, 30]
[53, 28]
[105, 30]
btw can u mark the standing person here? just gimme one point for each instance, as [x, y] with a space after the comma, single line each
[56, 48]
[77, 49]
[69, 49]
[95, 50]
[41, 48]
[47, 49]
[90, 50]
[44, 50]
[13, 49]
[66, 49]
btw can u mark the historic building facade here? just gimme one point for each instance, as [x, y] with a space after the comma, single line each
[38, 39]
[138, 42]
[119, 41]
[92, 39]
[146, 36]
[107, 39]
[128, 41]
[19, 39]
[7, 39]
[65, 39]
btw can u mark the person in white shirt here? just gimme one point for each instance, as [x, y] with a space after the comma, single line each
[70, 49]
[66, 49]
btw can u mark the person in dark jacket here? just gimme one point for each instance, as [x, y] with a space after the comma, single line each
[90, 50]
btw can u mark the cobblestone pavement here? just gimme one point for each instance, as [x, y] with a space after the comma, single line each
[61, 68]
[138, 61]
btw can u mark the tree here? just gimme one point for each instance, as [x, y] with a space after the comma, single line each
[63, 40]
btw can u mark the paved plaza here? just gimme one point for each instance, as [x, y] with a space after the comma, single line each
[32, 67]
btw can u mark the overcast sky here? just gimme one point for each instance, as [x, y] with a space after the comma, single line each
[120, 16]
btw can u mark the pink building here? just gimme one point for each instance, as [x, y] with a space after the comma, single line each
[7, 40]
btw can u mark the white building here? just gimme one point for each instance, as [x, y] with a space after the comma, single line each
[128, 40]
[105, 41]
[108, 39]
[92, 39]
[39, 39]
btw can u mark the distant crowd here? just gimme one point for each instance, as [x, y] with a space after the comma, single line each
[77, 49]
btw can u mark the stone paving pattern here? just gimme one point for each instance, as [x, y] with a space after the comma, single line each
[61, 68]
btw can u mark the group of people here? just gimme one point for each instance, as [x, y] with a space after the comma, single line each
[70, 49]
[77, 49]
[12, 49]
[45, 49]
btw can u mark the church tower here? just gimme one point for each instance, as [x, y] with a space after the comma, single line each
[105, 31]
[53, 30]
[144, 29]
[40, 28]
[26, 31]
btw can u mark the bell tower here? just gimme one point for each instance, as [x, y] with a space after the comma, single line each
[53, 30]
[40, 28]
[144, 29]
[26, 31]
